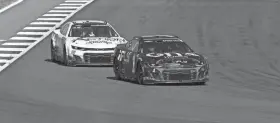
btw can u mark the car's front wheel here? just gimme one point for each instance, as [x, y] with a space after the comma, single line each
[116, 68]
[140, 74]
[53, 55]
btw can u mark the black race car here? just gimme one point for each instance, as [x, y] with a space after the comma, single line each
[154, 59]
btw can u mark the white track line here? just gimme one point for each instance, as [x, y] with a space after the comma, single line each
[24, 38]
[12, 49]
[17, 44]
[50, 19]
[66, 7]
[37, 28]
[76, 1]
[70, 4]
[59, 11]
[43, 37]
[48, 15]
[3, 61]
[8, 55]
[43, 23]
[10, 6]
[31, 33]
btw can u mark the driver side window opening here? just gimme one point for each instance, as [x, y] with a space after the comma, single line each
[133, 45]
[64, 29]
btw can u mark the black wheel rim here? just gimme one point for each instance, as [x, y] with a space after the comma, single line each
[116, 70]
[52, 53]
[116, 67]
[140, 75]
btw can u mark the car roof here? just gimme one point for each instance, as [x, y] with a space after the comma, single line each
[92, 22]
[156, 38]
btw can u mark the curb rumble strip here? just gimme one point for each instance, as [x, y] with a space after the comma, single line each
[30, 36]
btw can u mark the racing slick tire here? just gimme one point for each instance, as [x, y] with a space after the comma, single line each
[140, 74]
[53, 55]
[116, 68]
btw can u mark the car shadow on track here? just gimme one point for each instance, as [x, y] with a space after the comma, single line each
[169, 84]
[49, 60]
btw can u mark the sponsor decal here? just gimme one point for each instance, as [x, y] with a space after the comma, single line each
[173, 54]
[121, 55]
[176, 40]
[178, 54]
[164, 54]
[96, 42]
[126, 57]
[154, 54]
[168, 54]
[191, 54]
[113, 39]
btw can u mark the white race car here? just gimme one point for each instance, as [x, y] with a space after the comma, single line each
[85, 42]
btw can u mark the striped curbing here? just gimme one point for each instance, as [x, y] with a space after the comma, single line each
[37, 31]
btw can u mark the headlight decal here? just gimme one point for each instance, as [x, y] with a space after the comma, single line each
[78, 48]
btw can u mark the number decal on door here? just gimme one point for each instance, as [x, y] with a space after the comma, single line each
[126, 57]
[121, 55]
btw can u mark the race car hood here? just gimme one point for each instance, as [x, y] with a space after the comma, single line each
[180, 60]
[98, 42]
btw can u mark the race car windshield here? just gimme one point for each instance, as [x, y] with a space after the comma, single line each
[92, 31]
[163, 47]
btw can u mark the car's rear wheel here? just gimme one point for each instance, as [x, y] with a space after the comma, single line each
[116, 68]
[140, 74]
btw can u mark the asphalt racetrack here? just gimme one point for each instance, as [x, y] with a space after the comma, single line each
[240, 39]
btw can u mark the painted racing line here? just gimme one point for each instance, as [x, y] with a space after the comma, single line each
[28, 37]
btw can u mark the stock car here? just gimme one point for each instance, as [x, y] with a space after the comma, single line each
[85, 42]
[155, 59]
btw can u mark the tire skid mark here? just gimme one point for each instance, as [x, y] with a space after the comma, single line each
[265, 73]
[261, 53]
[261, 83]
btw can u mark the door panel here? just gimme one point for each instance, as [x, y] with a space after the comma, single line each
[59, 44]
[127, 62]
[133, 50]
[120, 58]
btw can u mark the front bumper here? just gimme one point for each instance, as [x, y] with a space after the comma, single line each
[79, 57]
[181, 75]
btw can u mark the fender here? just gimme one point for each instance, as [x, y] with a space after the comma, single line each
[53, 36]
[53, 40]
[66, 44]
